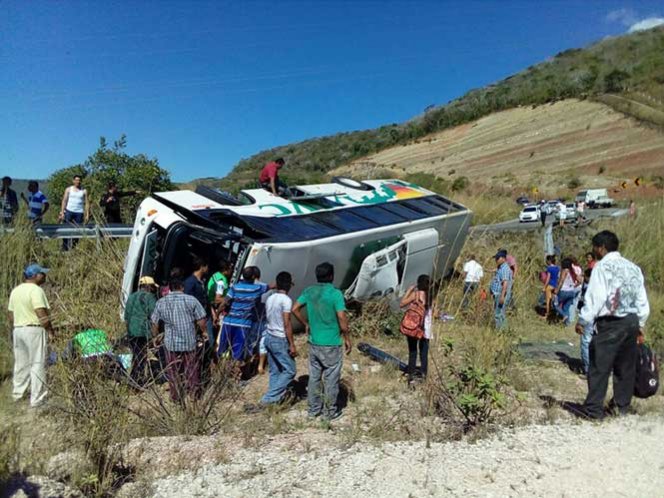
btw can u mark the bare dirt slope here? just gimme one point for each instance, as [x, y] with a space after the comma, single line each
[617, 458]
[543, 146]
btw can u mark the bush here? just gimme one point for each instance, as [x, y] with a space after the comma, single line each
[460, 184]
[573, 183]
[470, 390]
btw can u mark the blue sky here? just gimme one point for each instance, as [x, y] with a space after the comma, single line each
[200, 85]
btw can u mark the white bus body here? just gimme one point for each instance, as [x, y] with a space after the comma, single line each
[379, 235]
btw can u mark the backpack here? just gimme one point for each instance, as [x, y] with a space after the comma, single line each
[647, 373]
[412, 323]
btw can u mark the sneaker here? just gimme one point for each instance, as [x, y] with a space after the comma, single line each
[335, 416]
[313, 415]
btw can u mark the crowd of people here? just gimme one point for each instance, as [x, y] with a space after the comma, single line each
[197, 319]
[200, 320]
[74, 208]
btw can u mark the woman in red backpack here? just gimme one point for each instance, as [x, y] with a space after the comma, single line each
[417, 323]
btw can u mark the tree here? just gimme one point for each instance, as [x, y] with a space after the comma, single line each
[113, 164]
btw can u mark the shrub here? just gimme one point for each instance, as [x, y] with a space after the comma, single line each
[466, 390]
[574, 183]
[460, 184]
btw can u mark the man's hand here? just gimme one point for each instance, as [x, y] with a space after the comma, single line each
[293, 351]
[348, 346]
[61, 216]
[641, 338]
[579, 329]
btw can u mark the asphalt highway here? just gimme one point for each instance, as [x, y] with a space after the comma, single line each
[516, 226]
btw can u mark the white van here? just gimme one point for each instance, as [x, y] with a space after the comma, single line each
[595, 198]
[379, 235]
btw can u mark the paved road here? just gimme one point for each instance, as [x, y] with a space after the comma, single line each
[515, 225]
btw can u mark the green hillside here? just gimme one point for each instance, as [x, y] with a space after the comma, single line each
[627, 65]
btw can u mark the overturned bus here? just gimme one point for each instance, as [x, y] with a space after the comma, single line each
[379, 234]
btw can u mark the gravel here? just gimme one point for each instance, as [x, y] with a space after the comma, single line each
[622, 457]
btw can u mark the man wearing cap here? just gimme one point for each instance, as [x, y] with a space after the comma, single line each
[28, 311]
[501, 289]
[137, 313]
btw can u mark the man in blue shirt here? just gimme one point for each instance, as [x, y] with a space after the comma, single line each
[36, 201]
[501, 289]
[243, 316]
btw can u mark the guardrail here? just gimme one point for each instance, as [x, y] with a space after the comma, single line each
[88, 231]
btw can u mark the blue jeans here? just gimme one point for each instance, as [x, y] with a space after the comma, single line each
[71, 218]
[586, 337]
[469, 288]
[565, 301]
[574, 309]
[499, 312]
[282, 368]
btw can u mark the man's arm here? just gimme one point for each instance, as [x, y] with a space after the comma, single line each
[25, 199]
[642, 305]
[273, 184]
[87, 206]
[202, 325]
[342, 318]
[65, 198]
[594, 300]
[297, 311]
[44, 319]
[45, 206]
[288, 326]
[503, 292]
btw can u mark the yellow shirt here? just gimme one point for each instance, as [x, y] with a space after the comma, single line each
[23, 301]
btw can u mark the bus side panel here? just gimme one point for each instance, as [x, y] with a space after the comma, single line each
[301, 259]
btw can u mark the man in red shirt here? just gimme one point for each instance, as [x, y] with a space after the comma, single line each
[269, 177]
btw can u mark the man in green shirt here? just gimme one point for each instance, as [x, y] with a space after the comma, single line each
[138, 311]
[217, 288]
[326, 323]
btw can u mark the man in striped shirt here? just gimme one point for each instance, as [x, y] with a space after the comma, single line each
[242, 320]
[36, 201]
[180, 315]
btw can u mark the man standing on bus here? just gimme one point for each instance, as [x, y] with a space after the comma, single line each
[269, 177]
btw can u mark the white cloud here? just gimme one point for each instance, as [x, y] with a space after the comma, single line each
[626, 17]
[632, 21]
[648, 23]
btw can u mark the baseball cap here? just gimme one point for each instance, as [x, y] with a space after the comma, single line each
[146, 281]
[33, 269]
[502, 253]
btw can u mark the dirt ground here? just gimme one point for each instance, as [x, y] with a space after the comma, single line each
[618, 458]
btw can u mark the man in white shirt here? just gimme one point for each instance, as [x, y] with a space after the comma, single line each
[617, 304]
[279, 342]
[472, 275]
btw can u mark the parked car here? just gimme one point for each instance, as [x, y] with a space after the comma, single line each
[529, 213]
[523, 200]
